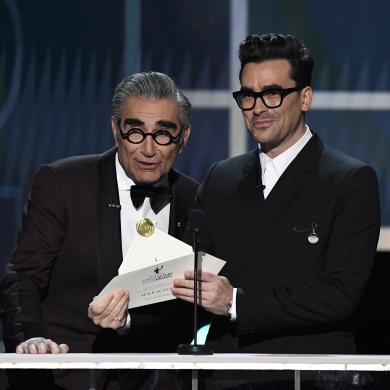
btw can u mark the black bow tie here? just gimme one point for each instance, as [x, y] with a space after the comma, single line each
[159, 196]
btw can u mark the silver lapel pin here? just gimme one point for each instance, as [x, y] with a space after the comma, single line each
[312, 236]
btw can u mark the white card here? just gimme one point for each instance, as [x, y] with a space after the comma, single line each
[153, 283]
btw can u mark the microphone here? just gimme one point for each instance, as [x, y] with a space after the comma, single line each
[259, 185]
[197, 221]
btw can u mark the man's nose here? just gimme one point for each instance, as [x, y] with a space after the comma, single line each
[149, 146]
[259, 106]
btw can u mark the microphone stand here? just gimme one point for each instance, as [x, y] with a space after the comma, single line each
[195, 349]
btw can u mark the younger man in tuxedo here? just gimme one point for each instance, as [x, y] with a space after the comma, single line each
[296, 221]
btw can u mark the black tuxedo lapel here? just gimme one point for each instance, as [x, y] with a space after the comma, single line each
[251, 191]
[261, 213]
[181, 202]
[294, 178]
[108, 222]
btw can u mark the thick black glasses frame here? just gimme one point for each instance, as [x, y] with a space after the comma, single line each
[282, 92]
[172, 139]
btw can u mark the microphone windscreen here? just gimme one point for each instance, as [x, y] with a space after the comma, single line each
[197, 219]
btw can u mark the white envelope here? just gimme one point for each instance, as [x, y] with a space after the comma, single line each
[153, 283]
[160, 246]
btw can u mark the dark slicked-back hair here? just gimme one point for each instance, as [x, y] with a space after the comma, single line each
[150, 85]
[270, 46]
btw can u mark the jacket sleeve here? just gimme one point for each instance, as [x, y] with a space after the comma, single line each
[24, 285]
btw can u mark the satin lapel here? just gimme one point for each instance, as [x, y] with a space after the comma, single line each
[296, 176]
[108, 222]
[179, 206]
[251, 191]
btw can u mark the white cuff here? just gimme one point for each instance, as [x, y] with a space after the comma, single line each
[233, 316]
[125, 328]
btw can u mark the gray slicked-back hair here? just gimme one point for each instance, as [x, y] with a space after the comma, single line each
[151, 85]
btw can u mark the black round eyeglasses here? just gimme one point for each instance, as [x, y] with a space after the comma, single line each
[271, 98]
[161, 137]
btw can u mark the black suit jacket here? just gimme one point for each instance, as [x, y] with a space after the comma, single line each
[296, 297]
[69, 248]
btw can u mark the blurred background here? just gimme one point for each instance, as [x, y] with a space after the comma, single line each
[60, 60]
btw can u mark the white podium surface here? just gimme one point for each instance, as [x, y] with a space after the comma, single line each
[201, 362]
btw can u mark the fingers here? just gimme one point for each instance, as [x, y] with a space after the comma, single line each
[34, 345]
[183, 293]
[57, 348]
[101, 307]
[110, 311]
[214, 291]
[123, 310]
[188, 281]
[98, 305]
[119, 320]
[40, 345]
[202, 276]
[207, 282]
[21, 348]
[63, 348]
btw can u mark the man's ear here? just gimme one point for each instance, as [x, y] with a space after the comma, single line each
[184, 138]
[307, 97]
[115, 130]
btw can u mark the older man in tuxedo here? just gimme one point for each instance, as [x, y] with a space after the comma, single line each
[80, 221]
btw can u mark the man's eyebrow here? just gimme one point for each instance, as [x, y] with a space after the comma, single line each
[168, 124]
[133, 122]
[246, 89]
[271, 86]
[265, 88]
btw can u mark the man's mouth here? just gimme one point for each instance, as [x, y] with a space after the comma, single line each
[147, 166]
[262, 123]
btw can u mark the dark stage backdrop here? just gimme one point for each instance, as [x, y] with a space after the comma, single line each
[60, 60]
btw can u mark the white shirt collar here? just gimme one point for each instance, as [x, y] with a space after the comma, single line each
[124, 182]
[283, 160]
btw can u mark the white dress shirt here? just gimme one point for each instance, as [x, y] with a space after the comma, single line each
[129, 216]
[272, 168]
